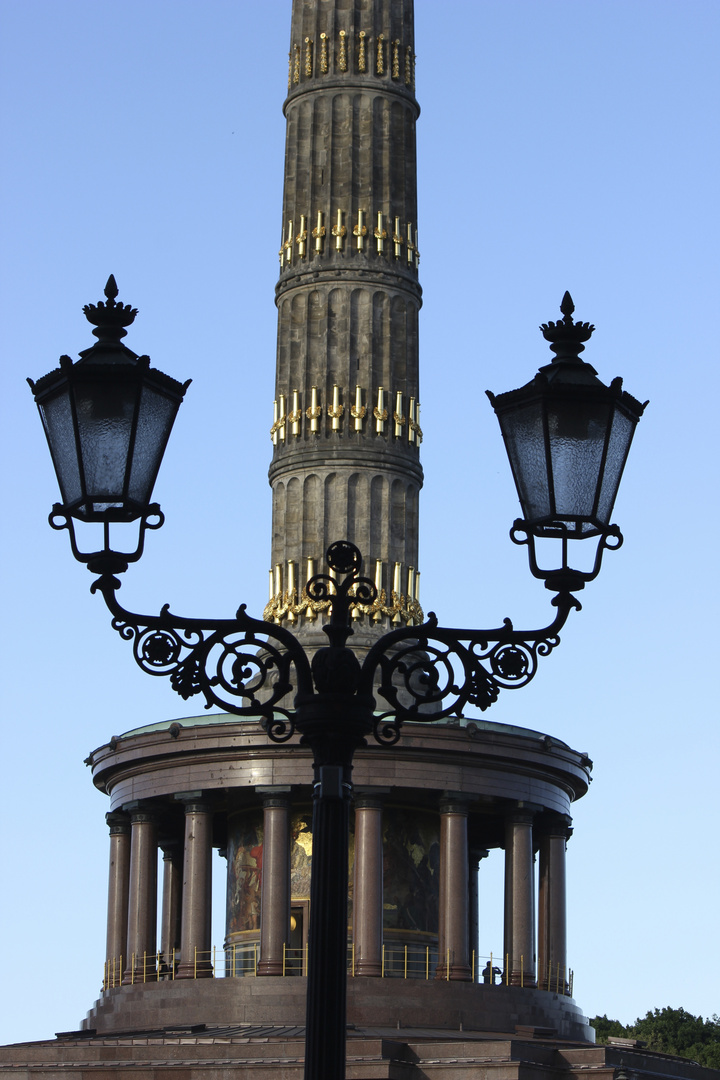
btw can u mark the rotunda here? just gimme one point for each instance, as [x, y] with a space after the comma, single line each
[425, 813]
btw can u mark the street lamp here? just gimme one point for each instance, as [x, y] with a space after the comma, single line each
[568, 437]
[107, 419]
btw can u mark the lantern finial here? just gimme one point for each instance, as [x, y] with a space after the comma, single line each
[567, 337]
[109, 319]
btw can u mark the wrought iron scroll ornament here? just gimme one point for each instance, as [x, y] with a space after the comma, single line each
[250, 668]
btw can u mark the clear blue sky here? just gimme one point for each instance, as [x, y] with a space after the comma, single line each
[562, 145]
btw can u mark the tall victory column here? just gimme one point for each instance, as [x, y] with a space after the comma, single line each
[346, 416]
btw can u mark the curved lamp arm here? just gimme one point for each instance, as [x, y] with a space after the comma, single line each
[429, 672]
[247, 666]
[243, 665]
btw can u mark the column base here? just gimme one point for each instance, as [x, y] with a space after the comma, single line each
[270, 967]
[201, 970]
[371, 969]
[555, 986]
[457, 973]
[131, 978]
[525, 980]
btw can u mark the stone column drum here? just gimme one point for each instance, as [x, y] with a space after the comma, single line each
[368, 889]
[476, 856]
[519, 900]
[118, 888]
[275, 885]
[552, 932]
[195, 958]
[454, 892]
[170, 919]
[142, 902]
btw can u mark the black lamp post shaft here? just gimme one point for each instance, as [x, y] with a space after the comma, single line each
[334, 723]
[326, 1007]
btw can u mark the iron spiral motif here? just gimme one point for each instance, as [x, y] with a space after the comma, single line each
[441, 671]
[232, 663]
[344, 558]
[249, 667]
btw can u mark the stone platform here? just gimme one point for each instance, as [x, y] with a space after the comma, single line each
[394, 1003]
[277, 1053]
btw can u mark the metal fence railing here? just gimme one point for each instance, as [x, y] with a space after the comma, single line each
[397, 962]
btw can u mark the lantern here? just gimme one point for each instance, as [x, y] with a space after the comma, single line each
[567, 436]
[107, 419]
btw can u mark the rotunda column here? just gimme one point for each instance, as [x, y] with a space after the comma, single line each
[454, 892]
[552, 915]
[476, 855]
[275, 884]
[118, 886]
[368, 888]
[170, 926]
[519, 900]
[142, 901]
[195, 961]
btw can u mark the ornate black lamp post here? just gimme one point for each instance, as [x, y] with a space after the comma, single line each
[107, 419]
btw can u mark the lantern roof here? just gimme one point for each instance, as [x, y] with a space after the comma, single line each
[566, 371]
[109, 319]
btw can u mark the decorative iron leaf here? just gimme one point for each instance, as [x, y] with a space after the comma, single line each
[481, 688]
[185, 680]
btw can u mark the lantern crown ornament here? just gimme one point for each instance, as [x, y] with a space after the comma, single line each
[567, 337]
[567, 436]
[110, 318]
[107, 418]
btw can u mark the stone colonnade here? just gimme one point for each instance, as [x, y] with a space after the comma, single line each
[132, 896]
[186, 894]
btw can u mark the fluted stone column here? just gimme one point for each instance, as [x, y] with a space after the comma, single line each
[346, 431]
[454, 892]
[519, 899]
[275, 884]
[368, 890]
[118, 887]
[142, 901]
[552, 914]
[170, 925]
[195, 961]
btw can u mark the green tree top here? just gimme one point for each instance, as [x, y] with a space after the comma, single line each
[669, 1031]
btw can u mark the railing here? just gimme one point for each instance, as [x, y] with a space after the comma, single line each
[397, 962]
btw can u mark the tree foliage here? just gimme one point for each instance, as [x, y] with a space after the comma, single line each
[670, 1031]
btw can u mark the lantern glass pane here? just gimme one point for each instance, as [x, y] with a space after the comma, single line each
[577, 431]
[155, 419]
[525, 441]
[105, 409]
[57, 419]
[621, 435]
